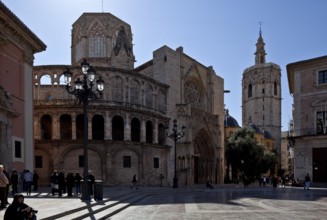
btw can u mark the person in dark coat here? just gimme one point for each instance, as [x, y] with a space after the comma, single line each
[275, 182]
[35, 181]
[134, 182]
[14, 182]
[18, 210]
[70, 183]
[61, 183]
[92, 181]
[54, 182]
[307, 181]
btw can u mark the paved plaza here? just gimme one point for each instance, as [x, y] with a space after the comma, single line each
[195, 202]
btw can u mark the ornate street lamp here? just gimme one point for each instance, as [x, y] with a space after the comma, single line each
[175, 136]
[85, 92]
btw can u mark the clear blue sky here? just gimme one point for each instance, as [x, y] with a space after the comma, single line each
[218, 33]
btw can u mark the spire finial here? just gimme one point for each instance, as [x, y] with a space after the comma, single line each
[260, 28]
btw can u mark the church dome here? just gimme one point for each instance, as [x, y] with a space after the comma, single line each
[229, 121]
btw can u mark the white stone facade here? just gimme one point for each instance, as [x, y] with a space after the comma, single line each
[308, 87]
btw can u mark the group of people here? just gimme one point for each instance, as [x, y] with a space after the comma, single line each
[263, 181]
[26, 180]
[62, 183]
[17, 210]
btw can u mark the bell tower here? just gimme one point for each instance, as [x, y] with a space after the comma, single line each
[104, 40]
[261, 94]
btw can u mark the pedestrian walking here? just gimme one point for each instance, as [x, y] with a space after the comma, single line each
[134, 182]
[307, 181]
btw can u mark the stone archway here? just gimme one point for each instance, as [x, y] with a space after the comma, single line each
[204, 158]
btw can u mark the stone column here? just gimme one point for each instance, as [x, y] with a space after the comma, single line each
[73, 127]
[107, 127]
[127, 129]
[55, 127]
[143, 131]
[37, 129]
[155, 132]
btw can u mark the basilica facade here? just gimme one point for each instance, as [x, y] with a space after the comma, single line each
[128, 128]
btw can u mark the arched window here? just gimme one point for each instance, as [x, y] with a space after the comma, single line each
[117, 128]
[135, 130]
[161, 102]
[97, 127]
[46, 127]
[148, 97]
[45, 80]
[79, 126]
[65, 127]
[149, 132]
[97, 41]
[161, 134]
[275, 88]
[250, 91]
[117, 93]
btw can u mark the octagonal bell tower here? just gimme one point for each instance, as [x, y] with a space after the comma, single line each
[261, 94]
[104, 40]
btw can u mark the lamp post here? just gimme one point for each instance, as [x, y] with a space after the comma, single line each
[85, 92]
[175, 136]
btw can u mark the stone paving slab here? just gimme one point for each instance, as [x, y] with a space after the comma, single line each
[196, 202]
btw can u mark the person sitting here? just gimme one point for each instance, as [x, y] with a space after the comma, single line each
[209, 184]
[18, 210]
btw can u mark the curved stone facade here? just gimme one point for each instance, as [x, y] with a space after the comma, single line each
[143, 122]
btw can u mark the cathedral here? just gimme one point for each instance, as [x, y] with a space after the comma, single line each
[129, 128]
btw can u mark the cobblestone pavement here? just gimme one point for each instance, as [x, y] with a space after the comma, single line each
[195, 202]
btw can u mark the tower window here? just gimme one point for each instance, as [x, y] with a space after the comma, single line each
[263, 91]
[275, 88]
[250, 91]
[322, 77]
